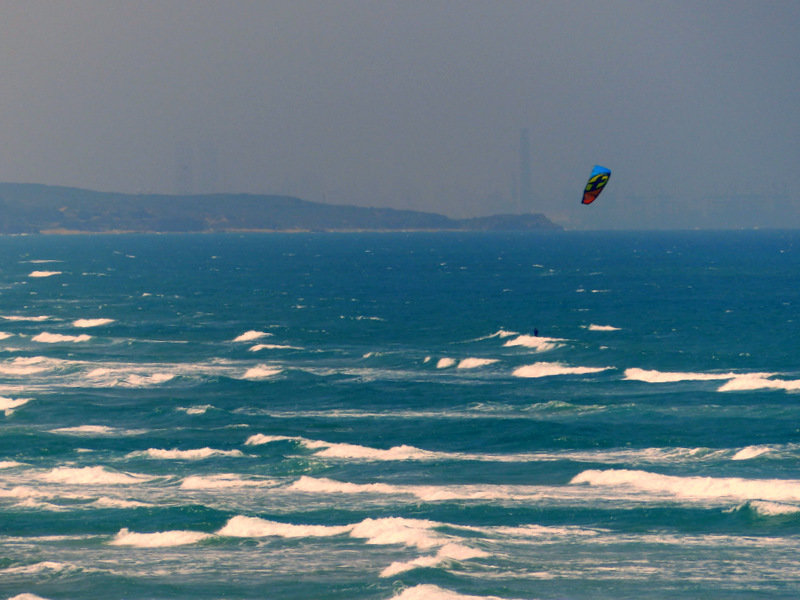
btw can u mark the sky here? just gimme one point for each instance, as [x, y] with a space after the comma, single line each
[415, 104]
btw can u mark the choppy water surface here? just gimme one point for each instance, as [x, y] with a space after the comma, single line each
[374, 416]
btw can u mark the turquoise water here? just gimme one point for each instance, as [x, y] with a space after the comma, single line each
[326, 416]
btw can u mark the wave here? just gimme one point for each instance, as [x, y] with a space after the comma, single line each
[259, 347]
[97, 430]
[41, 274]
[27, 365]
[752, 452]
[223, 481]
[427, 591]
[593, 327]
[55, 338]
[404, 452]
[92, 476]
[540, 344]
[196, 454]
[445, 363]
[162, 539]
[261, 372]
[25, 318]
[708, 488]
[91, 322]
[27, 596]
[249, 336]
[547, 369]
[8, 405]
[474, 363]
[448, 552]
[735, 381]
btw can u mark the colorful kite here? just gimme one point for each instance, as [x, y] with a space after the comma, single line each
[597, 181]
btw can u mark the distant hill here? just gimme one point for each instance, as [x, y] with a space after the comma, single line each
[33, 208]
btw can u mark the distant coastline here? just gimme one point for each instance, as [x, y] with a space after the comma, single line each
[42, 209]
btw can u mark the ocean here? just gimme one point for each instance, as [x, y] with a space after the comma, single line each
[400, 416]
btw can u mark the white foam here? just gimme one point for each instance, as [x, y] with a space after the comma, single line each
[445, 363]
[593, 327]
[40, 567]
[106, 502]
[9, 464]
[540, 344]
[26, 596]
[54, 338]
[162, 539]
[249, 336]
[474, 363]
[352, 451]
[758, 381]
[26, 365]
[97, 430]
[39, 274]
[91, 322]
[25, 318]
[196, 454]
[259, 439]
[448, 552]
[651, 376]
[4, 335]
[708, 488]
[135, 380]
[548, 369]
[751, 452]
[261, 372]
[91, 476]
[222, 481]
[259, 347]
[196, 410]
[773, 509]
[428, 591]
[241, 526]
[8, 405]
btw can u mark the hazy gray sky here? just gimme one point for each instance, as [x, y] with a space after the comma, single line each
[694, 105]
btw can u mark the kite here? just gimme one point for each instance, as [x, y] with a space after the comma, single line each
[597, 181]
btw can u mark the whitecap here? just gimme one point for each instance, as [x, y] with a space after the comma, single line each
[163, 539]
[547, 369]
[222, 481]
[593, 327]
[54, 338]
[85, 323]
[709, 488]
[196, 454]
[8, 405]
[24, 318]
[473, 363]
[652, 376]
[428, 591]
[249, 336]
[751, 452]
[535, 342]
[258, 347]
[445, 363]
[39, 274]
[241, 526]
[448, 552]
[98, 475]
[261, 372]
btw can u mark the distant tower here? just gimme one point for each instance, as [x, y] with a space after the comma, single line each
[525, 189]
